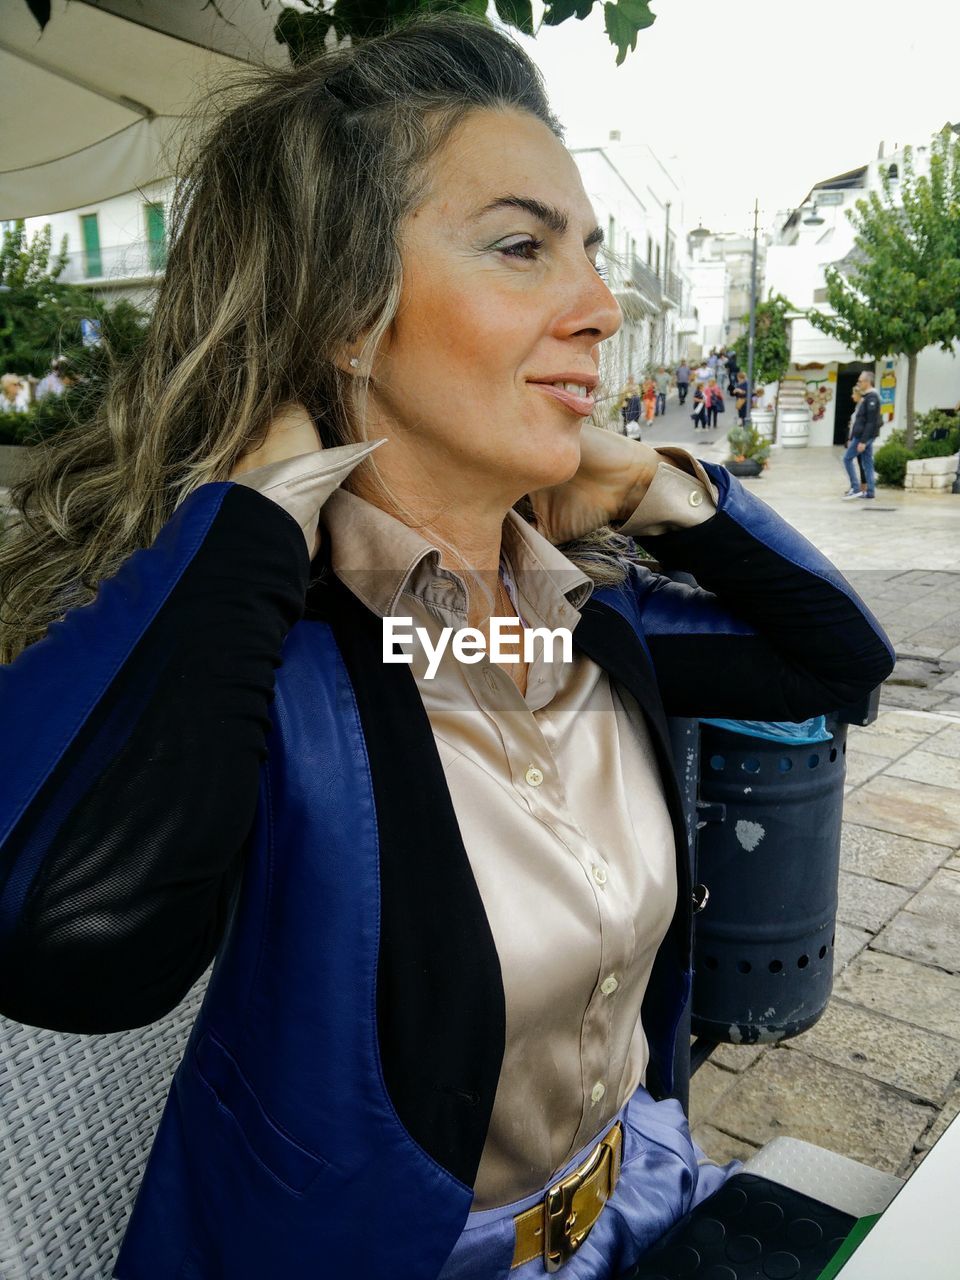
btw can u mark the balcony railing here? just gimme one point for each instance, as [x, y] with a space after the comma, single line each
[138, 260]
[646, 280]
[673, 287]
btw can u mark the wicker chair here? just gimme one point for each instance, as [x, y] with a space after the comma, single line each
[77, 1117]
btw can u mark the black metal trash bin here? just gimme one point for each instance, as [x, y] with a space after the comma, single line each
[763, 946]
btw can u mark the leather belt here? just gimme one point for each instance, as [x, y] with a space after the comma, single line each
[555, 1228]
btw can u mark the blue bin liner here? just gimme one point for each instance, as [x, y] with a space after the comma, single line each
[799, 734]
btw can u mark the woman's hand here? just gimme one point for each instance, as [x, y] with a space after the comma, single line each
[291, 433]
[614, 474]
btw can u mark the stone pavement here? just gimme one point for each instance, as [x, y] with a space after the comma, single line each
[878, 1077]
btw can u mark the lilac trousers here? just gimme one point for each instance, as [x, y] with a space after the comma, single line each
[663, 1175]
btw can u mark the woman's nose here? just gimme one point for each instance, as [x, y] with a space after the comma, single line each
[593, 308]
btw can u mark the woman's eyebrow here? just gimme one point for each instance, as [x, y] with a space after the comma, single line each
[551, 217]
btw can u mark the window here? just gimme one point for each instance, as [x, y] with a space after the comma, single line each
[658, 259]
[90, 234]
[156, 236]
[649, 252]
[611, 235]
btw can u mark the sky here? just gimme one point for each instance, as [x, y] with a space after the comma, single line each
[758, 98]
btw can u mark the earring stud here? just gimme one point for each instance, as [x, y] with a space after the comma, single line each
[354, 362]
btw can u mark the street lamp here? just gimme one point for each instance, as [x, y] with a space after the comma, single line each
[813, 218]
[753, 314]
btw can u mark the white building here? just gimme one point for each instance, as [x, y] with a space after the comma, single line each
[117, 247]
[639, 207]
[720, 268]
[811, 237]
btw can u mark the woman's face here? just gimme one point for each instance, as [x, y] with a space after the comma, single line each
[501, 301]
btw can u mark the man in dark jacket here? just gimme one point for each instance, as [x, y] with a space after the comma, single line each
[866, 428]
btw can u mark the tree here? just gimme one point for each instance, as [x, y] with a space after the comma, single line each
[305, 30]
[39, 314]
[771, 345]
[899, 290]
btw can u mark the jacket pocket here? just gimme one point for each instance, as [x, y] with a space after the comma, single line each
[285, 1159]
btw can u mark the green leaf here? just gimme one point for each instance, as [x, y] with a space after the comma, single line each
[517, 13]
[624, 20]
[304, 34]
[558, 11]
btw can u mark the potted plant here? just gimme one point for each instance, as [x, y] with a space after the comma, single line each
[749, 451]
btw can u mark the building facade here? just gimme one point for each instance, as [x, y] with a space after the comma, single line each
[808, 239]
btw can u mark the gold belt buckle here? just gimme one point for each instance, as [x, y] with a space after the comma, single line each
[567, 1222]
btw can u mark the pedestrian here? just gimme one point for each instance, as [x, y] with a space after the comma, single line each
[857, 397]
[741, 394]
[699, 414]
[712, 363]
[713, 401]
[702, 373]
[683, 381]
[14, 394]
[733, 369]
[662, 383]
[57, 381]
[863, 432]
[630, 408]
[451, 916]
[649, 400]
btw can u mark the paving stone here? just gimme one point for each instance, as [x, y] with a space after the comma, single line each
[736, 1057]
[904, 989]
[891, 745]
[894, 720]
[790, 1093]
[948, 1114]
[917, 938]
[847, 942]
[953, 864]
[920, 699]
[884, 856]
[921, 765]
[951, 707]
[707, 1087]
[907, 808]
[868, 903]
[951, 684]
[862, 766]
[940, 896]
[720, 1147]
[945, 743]
[920, 1062]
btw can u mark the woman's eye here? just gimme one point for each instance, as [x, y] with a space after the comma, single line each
[524, 249]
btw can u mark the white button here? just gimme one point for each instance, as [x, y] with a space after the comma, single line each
[599, 875]
[609, 985]
[696, 498]
[597, 1092]
[534, 776]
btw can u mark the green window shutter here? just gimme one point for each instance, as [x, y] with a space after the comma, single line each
[90, 229]
[156, 236]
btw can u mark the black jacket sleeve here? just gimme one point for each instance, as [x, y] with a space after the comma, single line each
[772, 631]
[869, 425]
[133, 738]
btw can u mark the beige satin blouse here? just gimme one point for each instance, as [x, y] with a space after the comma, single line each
[559, 804]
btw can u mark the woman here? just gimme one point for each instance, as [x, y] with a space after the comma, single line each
[713, 399]
[699, 414]
[630, 408]
[451, 915]
[649, 400]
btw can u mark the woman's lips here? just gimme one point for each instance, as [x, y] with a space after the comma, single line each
[582, 405]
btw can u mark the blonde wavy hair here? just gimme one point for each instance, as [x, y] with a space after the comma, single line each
[285, 234]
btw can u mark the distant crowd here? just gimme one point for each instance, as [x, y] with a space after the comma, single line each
[705, 384]
[19, 392]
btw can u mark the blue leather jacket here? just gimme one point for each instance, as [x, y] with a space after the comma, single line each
[174, 801]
